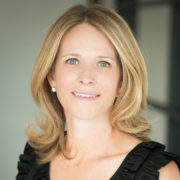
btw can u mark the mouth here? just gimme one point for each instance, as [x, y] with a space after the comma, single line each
[87, 96]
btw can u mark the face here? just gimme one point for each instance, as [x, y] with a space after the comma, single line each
[87, 73]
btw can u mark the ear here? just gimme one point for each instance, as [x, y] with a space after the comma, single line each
[51, 79]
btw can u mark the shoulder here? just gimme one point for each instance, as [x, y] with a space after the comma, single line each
[28, 168]
[158, 162]
[149, 160]
[170, 171]
[26, 162]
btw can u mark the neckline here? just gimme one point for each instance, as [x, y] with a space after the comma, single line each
[120, 166]
[125, 159]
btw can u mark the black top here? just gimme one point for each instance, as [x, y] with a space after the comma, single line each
[142, 163]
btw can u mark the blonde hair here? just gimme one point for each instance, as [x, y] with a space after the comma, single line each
[126, 113]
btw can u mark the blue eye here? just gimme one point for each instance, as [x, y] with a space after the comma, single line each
[104, 64]
[72, 61]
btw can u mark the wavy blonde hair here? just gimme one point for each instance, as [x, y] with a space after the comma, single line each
[49, 139]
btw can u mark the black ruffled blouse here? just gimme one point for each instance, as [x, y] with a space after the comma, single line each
[142, 163]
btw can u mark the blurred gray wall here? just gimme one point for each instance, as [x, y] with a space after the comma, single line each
[154, 36]
[23, 25]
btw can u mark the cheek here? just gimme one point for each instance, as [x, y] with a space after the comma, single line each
[64, 78]
[110, 81]
[64, 81]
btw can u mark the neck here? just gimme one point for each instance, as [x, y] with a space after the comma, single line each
[87, 139]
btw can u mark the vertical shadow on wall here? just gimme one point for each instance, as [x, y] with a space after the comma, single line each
[127, 9]
[174, 124]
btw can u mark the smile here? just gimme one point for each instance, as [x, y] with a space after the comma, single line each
[85, 96]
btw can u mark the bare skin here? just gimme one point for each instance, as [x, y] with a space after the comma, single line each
[99, 163]
[170, 171]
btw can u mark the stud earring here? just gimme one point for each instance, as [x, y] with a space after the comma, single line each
[53, 89]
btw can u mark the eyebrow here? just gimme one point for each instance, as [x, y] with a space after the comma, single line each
[71, 54]
[100, 56]
[106, 57]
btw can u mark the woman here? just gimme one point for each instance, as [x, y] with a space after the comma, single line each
[90, 77]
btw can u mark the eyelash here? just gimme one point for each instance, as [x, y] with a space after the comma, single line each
[100, 62]
[70, 59]
[106, 63]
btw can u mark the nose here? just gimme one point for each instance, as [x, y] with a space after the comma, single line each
[86, 77]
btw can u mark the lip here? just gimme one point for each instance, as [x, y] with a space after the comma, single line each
[85, 98]
[86, 93]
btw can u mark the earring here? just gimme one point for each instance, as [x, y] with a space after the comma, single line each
[53, 89]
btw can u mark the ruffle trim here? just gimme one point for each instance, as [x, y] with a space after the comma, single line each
[142, 162]
[28, 169]
[26, 162]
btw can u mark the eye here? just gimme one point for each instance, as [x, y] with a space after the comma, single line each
[72, 61]
[104, 64]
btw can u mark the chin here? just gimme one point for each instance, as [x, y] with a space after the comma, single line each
[84, 115]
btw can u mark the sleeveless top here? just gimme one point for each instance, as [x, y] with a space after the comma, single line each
[142, 163]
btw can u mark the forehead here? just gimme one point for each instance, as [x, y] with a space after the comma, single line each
[86, 37]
